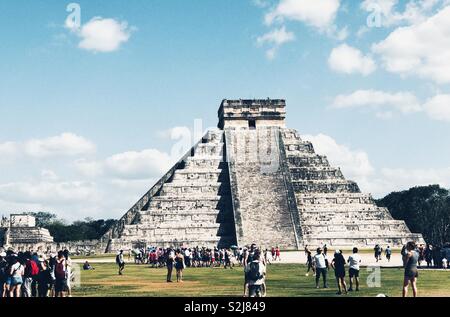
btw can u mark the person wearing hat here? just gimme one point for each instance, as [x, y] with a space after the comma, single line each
[321, 268]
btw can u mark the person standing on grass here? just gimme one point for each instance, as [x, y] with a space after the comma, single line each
[429, 255]
[338, 264]
[255, 273]
[179, 265]
[267, 257]
[68, 287]
[60, 274]
[30, 274]
[321, 268]
[227, 259]
[16, 272]
[277, 254]
[410, 258]
[309, 262]
[354, 260]
[44, 278]
[120, 262]
[170, 259]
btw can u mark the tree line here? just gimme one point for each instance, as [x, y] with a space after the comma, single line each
[87, 229]
[425, 210]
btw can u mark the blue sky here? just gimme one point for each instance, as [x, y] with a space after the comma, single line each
[85, 120]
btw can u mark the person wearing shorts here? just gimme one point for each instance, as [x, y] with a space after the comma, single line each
[61, 275]
[354, 260]
[15, 280]
[411, 259]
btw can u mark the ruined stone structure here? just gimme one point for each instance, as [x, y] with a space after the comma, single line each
[254, 181]
[21, 233]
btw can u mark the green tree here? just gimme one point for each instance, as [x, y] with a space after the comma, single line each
[425, 210]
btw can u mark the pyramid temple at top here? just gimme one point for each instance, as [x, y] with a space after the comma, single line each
[253, 180]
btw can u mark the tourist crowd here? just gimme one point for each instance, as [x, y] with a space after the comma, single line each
[200, 256]
[27, 274]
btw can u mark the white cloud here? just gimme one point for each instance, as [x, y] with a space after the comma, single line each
[355, 164]
[103, 35]
[139, 165]
[348, 60]
[318, 13]
[275, 38]
[48, 192]
[438, 108]
[383, 102]
[66, 144]
[8, 150]
[422, 49]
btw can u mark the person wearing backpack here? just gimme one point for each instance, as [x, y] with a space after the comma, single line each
[255, 272]
[60, 275]
[30, 275]
[120, 261]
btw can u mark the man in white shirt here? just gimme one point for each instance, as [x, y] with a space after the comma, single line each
[354, 260]
[187, 257]
[255, 273]
[321, 268]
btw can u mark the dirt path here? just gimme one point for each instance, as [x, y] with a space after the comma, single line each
[293, 257]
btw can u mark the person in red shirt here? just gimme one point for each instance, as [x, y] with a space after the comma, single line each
[277, 254]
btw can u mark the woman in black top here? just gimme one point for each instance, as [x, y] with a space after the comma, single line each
[338, 265]
[179, 265]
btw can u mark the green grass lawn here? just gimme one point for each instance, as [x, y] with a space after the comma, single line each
[282, 280]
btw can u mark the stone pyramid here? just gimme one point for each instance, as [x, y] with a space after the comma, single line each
[254, 181]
